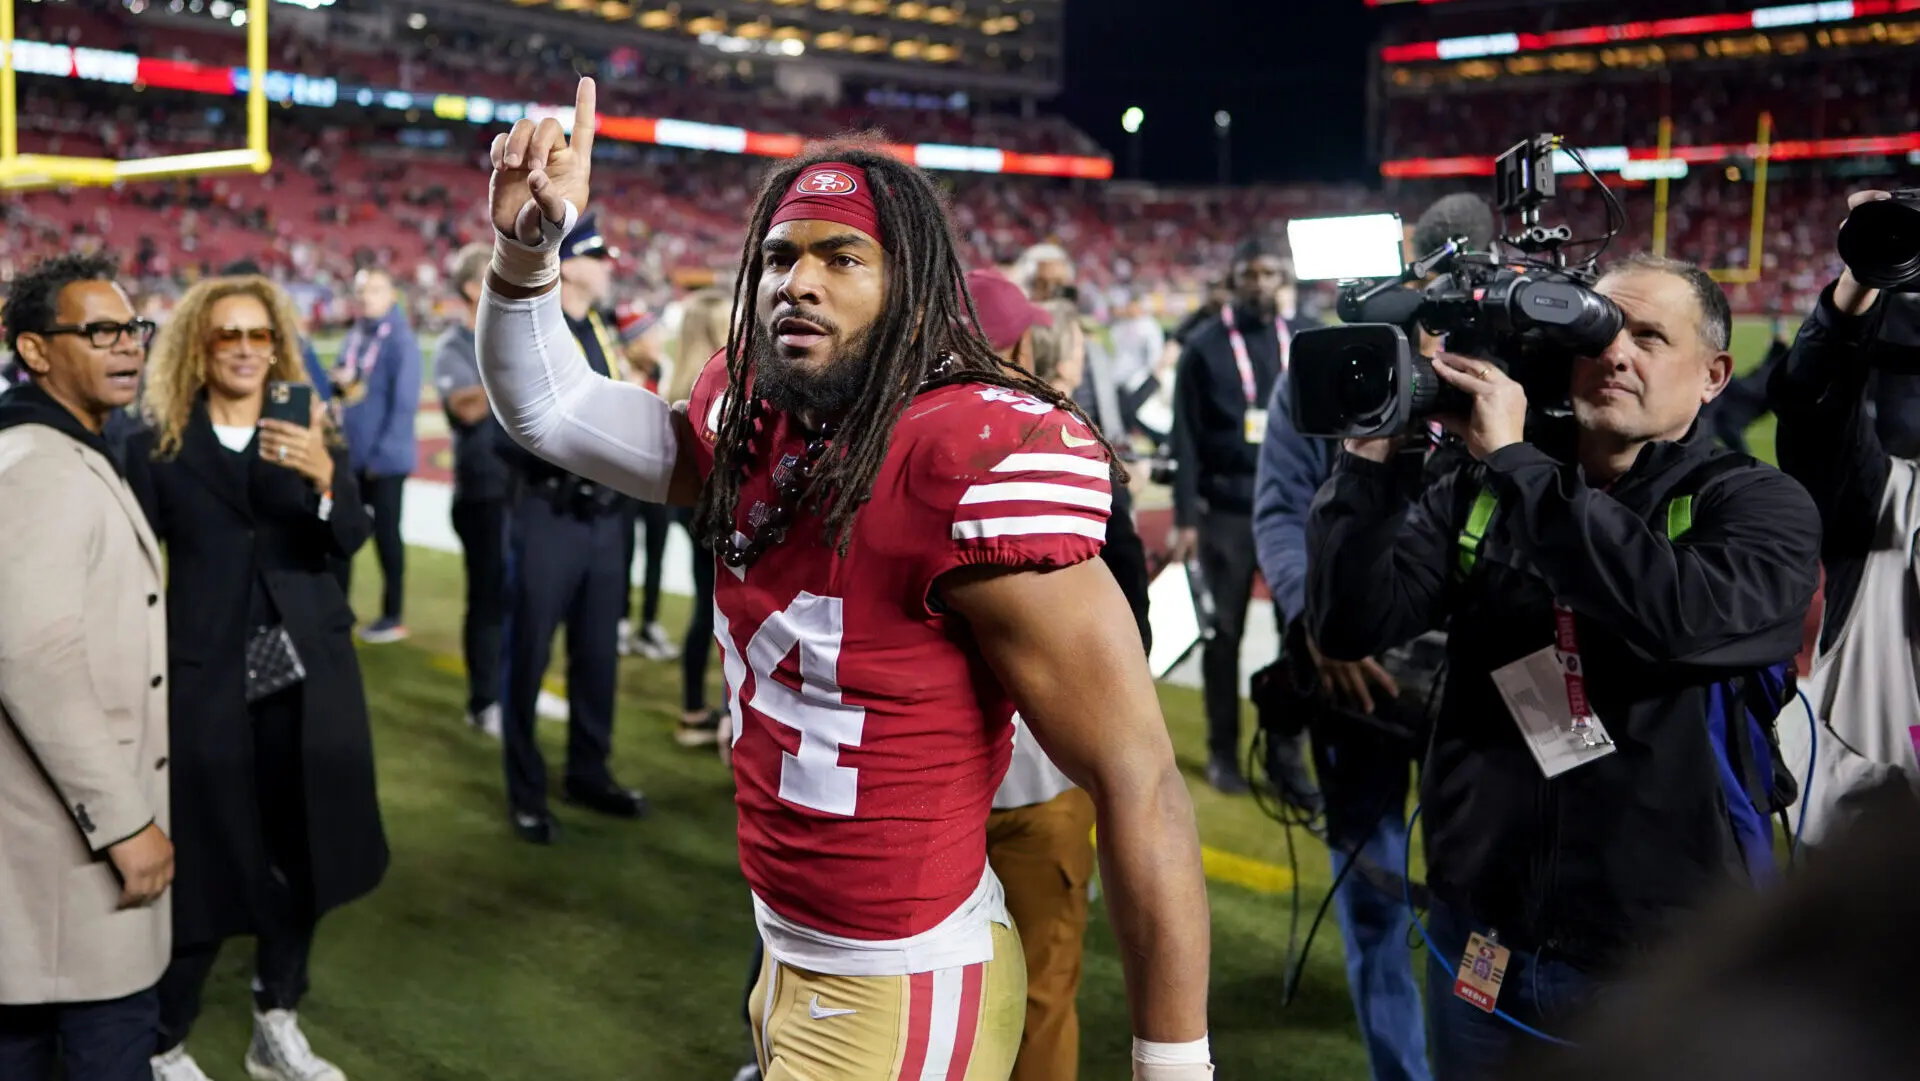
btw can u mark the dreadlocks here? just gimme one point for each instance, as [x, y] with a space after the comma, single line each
[927, 335]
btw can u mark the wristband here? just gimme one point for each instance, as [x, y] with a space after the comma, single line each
[533, 266]
[1191, 1061]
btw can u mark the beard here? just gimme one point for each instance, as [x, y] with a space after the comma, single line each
[828, 392]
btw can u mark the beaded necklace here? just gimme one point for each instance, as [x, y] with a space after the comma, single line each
[742, 549]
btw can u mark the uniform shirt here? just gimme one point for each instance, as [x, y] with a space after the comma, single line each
[870, 736]
[478, 471]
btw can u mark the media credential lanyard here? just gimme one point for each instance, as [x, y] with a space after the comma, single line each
[1244, 361]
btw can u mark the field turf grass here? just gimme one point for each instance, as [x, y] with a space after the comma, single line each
[619, 954]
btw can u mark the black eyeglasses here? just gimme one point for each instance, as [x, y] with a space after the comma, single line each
[106, 335]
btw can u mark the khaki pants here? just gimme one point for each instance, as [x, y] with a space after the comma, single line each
[1043, 855]
[954, 1024]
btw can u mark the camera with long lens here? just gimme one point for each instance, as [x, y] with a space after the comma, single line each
[1880, 242]
[1529, 315]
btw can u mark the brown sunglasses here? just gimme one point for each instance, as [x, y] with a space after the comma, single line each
[260, 336]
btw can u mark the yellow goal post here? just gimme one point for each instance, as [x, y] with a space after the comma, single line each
[27, 172]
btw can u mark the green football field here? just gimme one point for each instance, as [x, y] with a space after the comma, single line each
[619, 954]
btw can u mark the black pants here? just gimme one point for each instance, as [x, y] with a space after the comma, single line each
[572, 570]
[655, 518]
[90, 1041]
[482, 527]
[698, 649]
[382, 498]
[1126, 559]
[285, 916]
[1227, 562]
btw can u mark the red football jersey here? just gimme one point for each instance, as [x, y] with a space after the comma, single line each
[870, 733]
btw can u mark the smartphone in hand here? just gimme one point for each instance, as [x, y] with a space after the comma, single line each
[290, 402]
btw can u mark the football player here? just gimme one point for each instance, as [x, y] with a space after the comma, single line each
[906, 529]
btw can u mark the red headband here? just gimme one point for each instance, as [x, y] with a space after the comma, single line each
[832, 191]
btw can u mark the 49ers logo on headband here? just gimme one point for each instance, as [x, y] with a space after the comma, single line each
[827, 182]
[834, 191]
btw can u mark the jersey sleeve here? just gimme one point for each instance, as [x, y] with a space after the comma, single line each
[1011, 481]
[705, 403]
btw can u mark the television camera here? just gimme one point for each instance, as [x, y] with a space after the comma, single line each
[1529, 314]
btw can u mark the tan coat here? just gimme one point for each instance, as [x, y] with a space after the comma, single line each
[83, 722]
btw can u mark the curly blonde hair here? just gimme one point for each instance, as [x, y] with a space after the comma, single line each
[177, 363]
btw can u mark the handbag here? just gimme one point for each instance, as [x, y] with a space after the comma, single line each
[273, 664]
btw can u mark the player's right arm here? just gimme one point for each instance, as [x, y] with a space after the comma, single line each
[543, 391]
[1064, 645]
[1029, 498]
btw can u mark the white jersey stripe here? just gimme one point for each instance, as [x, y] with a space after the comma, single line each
[1054, 463]
[948, 985]
[1036, 492]
[1029, 525]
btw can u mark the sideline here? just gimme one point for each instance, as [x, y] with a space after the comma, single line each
[426, 523]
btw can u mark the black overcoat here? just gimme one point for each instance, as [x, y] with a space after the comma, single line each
[220, 531]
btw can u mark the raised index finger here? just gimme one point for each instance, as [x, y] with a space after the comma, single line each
[583, 121]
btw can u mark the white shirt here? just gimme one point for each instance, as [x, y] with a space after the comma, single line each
[1032, 778]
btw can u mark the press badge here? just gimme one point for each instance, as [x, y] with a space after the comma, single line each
[1256, 426]
[1535, 690]
[1481, 971]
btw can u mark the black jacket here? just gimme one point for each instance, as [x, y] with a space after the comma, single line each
[1592, 863]
[224, 537]
[1830, 442]
[1215, 463]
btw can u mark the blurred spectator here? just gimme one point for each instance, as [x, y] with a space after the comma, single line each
[704, 324]
[378, 377]
[481, 484]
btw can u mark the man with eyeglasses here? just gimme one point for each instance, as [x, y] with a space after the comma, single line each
[86, 928]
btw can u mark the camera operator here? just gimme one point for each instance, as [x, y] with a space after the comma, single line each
[1226, 374]
[1564, 832]
[1863, 677]
[1363, 768]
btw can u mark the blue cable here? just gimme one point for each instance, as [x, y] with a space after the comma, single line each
[1406, 881]
[1813, 759]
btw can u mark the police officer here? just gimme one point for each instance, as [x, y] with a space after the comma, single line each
[566, 559]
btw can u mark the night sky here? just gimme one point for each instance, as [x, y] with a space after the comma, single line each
[1292, 73]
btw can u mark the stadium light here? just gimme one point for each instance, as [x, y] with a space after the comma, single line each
[1131, 120]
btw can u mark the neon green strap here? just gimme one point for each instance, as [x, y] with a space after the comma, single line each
[1476, 531]
[1679, 521]
[1679, 517]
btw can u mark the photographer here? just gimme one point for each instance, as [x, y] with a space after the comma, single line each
[1864, 673]
[1570, 828]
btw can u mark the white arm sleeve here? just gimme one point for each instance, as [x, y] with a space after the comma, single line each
[553, 404]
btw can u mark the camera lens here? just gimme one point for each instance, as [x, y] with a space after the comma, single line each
[1880, 242]
[1366, 382]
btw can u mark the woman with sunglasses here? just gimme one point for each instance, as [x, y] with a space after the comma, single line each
[274, 810]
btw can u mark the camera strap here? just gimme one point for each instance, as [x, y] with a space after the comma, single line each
[1244, 360]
